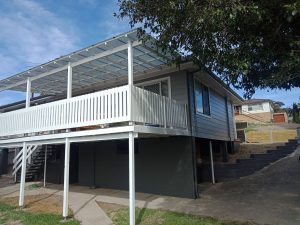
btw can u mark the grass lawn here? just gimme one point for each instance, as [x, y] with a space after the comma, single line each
[156, 217]
[12, 215]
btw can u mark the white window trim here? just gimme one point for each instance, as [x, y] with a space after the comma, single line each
[209, 99]
[259, 110]
[155, 81]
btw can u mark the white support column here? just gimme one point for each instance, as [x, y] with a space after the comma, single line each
[28, 92]
[45, 166]
[70, 78]
[165, 112]
[70, 81]
[131, 180]
[66, 179]
[23, 175]
[15, 173]
[130, 63]
[212, 163]
[130, 81]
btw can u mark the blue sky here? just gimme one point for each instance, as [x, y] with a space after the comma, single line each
[34, 32]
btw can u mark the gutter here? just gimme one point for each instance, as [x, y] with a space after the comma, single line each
[216, 78]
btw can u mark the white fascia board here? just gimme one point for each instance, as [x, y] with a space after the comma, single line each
[82, 61]
[92, 135]
[160, 130]
[74, 136]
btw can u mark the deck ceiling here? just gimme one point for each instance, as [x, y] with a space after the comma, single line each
[53, 74]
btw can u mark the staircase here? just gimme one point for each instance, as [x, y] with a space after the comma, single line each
[35, 160]
[245, 167]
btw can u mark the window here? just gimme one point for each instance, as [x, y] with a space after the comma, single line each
[255, 107]
[202, 103]
[160, 87]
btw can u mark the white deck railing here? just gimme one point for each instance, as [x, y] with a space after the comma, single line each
[157, 110]
[103, 107]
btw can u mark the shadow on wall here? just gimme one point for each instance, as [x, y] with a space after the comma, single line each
[3, 161]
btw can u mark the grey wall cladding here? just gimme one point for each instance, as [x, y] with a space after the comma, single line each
[214, 126]
[163, 166]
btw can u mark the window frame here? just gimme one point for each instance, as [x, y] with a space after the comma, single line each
[209, 99]
[155, 81]
[261, 107]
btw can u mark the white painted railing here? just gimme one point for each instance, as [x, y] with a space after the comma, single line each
[18, 159]
[103, 107]
[157, 110]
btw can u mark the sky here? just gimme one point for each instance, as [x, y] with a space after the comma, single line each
[33, 32]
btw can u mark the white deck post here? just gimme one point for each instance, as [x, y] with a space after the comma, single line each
[70, 77]
[14, 158]
[130, 80]
[131, 180]
[28, 92]
[45, 166]
[131, 139]
[212, 163]
[66, 179]
[69, 88]
[130, 63]
[23, 175]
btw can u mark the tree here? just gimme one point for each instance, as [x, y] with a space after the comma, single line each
[248, 43]
[295, 113]
[278, 107]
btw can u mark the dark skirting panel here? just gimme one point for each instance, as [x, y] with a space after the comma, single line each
[163, 165]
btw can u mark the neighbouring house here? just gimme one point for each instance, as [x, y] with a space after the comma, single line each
[117, 115]
[258, 111]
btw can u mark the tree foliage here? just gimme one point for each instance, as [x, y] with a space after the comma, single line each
[295, 113]
[249, 43]
[278, 107]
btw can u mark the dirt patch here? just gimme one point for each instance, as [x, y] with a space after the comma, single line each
[43, 203]
[110, 207]
[13, 222]
[157, 218]
[6, 180]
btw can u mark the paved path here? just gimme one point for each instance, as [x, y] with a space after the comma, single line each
[83, 205]
[271, 196]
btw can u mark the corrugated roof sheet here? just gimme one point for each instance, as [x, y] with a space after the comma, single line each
[112, 66]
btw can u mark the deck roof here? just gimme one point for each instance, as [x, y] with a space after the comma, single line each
[106, 60]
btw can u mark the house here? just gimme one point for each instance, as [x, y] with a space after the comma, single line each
[257, 111]
[117, 115]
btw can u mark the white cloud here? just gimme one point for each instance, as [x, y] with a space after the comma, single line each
[109, 25]
[113, 27]
[89, 2]
[30, 35]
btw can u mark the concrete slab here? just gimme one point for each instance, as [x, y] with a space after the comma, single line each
[5, 191]
[92, 214]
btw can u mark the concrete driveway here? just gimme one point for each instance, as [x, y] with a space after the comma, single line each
[270, 196]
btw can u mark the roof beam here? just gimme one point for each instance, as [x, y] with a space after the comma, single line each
[74, 64]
